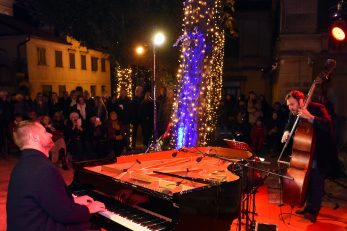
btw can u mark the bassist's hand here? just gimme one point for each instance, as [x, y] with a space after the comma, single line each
[285, 136]
[304, 113]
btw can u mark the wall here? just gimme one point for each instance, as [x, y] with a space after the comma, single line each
[51, 75]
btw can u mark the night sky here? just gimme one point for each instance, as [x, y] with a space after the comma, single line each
[115, 26]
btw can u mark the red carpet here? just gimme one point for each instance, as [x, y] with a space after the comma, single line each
[268, 213]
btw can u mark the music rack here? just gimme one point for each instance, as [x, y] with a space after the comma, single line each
[248, 196]
[248, 210]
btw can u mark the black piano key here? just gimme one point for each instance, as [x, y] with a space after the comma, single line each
[135, 215]
[154, 223]
[161, 226]
[140, 221]
[158, 227]
[143, 219]
[148, 220]
[123, 212]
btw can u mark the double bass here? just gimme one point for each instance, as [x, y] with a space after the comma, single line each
[295, 183]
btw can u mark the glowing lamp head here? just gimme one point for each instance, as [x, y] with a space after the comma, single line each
[338, 30]
[140, 50]
[338, 33]
[158, 39]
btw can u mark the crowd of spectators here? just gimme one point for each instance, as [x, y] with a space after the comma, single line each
[253, 120]
[85, 127]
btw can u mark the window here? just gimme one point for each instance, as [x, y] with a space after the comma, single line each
[62, 89]
[233, 87]
[72, 60]
[93, 90]
[94, 63]
[58, 58]
[46, 89]
[83, 62]
[41, 56]
[103, 90]
[103, 65]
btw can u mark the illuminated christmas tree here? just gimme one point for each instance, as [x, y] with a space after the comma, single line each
[200, 73]
[124, 81]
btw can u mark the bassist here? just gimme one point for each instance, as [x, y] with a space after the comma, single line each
[323, 148]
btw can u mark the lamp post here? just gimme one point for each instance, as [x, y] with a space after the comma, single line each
[158, 40]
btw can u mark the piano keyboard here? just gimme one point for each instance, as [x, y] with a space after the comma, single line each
[133, 218]
[135, 222]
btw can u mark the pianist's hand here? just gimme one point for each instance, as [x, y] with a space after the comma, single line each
[96, 206]
[83, 200]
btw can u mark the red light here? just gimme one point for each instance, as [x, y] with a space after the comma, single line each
[338, 30]
[338, 33]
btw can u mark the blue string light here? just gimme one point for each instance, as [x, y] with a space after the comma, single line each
[187, 125]
[199, 75]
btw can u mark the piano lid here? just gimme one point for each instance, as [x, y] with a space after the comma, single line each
[170, 172]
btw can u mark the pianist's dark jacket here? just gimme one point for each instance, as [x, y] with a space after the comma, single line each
[38, 198]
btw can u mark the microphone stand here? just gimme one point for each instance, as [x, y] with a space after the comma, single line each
[248, 196]
[237, 161]
[251, 188]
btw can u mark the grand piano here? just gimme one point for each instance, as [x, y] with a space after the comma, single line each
[185, 189]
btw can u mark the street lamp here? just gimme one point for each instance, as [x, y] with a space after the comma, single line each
[158, 40]
[140, 50]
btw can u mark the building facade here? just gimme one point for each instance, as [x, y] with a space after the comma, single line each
[39, 62]
[283, 45]
[248, 55]
[61, 67]
[302, 48]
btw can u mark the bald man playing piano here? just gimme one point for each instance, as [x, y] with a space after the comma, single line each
[38, 198]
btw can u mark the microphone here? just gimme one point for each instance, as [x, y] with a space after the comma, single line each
[174, 154]
[136, 162]
[199, 159]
